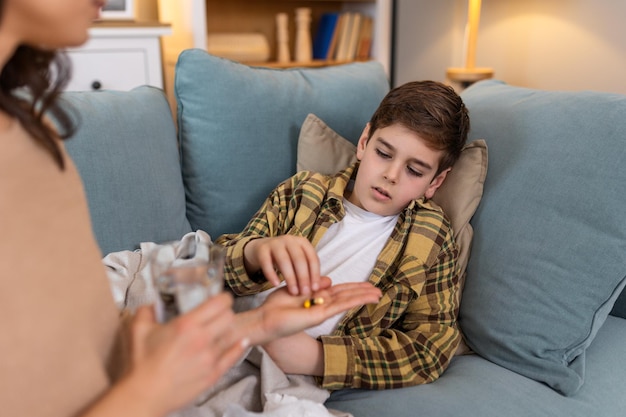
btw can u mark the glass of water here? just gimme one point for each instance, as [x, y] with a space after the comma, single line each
[185, 277]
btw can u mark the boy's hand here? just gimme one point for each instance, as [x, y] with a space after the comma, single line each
[292, 256]
[283, 314]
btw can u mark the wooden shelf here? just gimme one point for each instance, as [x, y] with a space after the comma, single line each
[193, 20]
[234, 16]
[286, 65]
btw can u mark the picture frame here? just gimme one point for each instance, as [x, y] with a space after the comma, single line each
[118, 10]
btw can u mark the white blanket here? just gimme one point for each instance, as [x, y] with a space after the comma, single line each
[254, 387]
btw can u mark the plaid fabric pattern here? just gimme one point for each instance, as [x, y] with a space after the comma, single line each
[409, 337]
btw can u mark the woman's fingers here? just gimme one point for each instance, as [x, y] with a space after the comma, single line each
[210, 309]
[228, 358]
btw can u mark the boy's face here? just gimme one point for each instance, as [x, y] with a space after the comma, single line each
[396, 168]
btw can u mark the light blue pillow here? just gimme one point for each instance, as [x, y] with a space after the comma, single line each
[549, 251]
[126, 153]
[239, 126]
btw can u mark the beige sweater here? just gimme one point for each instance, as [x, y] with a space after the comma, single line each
[58, 320]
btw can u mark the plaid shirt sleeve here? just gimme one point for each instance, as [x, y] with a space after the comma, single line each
[409, 337]
[275, 217]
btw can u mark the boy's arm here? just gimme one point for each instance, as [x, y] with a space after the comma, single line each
[415, 349]
[266, 222]
[274, 218]
[297, 354]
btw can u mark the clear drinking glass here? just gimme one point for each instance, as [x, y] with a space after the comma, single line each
[185, 277]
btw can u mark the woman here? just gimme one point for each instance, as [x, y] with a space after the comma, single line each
[63, 354]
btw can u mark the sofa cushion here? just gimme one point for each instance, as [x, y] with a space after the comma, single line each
[549, 250]
[125, 150]
[238, 127]
[321, 149]
[473, 386]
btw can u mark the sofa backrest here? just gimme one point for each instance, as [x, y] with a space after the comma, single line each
[239, 126]
[238, 133]
[125, 150]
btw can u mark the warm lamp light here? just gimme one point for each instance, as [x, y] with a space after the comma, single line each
[470, 73]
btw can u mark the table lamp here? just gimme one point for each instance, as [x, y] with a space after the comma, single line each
[470, 73]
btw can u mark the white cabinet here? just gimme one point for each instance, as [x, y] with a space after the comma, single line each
[118, 58]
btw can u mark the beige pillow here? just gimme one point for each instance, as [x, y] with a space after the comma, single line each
[322, 150]
[460, 194]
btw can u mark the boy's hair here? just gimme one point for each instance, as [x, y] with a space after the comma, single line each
[432, 110]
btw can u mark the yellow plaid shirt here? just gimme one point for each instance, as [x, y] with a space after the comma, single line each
[409, 337]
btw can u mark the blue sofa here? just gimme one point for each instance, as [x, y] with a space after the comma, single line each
[543, 308]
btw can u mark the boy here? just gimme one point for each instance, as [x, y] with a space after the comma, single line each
[371, 222]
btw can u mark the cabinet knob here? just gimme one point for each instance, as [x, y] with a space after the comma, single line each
[96, 85]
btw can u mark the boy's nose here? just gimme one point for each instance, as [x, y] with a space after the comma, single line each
[391, 174]
[390, 179]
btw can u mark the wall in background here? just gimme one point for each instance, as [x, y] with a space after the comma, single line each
[424, 39]
[547, 44]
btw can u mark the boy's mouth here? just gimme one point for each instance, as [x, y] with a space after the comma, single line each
[382, 192]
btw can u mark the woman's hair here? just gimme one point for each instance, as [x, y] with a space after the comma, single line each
[432, 110]
[30, 84]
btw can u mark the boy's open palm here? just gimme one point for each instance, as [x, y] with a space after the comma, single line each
[285, 314]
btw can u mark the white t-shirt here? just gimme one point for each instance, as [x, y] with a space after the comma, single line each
[349, 249]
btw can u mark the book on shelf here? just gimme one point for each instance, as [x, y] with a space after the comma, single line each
[344, 36]
[324, 36]
[364, 46]
[332, 49]
[353, 36]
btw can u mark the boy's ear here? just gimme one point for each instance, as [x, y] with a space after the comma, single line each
[360, 147]
[436, 183]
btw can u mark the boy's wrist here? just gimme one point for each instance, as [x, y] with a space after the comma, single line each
[252, 268]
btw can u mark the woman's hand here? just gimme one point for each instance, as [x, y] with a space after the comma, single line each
[177, 361]
[171, 364]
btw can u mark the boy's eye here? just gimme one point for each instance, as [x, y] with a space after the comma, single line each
[382, 154]
[414, 172]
